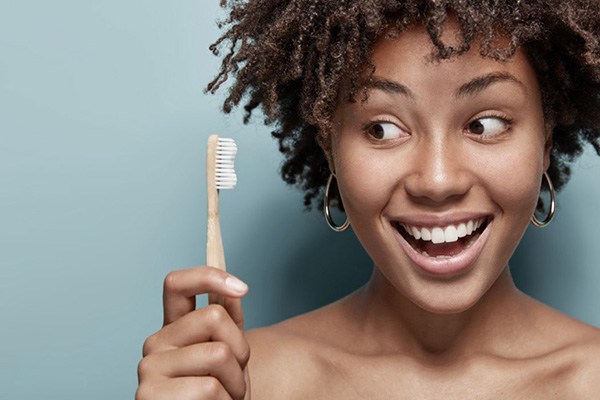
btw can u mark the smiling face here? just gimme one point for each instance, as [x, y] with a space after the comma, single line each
[439, 170]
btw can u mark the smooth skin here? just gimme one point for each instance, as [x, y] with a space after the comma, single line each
[435, 141]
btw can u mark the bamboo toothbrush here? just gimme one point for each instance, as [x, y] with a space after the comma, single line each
[220, 174]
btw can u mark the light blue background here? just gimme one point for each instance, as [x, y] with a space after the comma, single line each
[103, 125]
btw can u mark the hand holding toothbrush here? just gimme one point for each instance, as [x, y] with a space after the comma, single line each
[201, 354]
[198, 354]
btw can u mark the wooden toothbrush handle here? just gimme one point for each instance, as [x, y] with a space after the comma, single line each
[215, 256]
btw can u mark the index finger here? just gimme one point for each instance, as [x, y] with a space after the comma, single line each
[182, 286]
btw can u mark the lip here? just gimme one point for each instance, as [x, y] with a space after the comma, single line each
[453, 265]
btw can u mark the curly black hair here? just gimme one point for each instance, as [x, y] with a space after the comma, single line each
[291, 58]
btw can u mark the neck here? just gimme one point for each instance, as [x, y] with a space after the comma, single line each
[401, 326]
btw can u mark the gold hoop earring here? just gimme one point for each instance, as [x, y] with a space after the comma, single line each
[546, 221]
[332, 225]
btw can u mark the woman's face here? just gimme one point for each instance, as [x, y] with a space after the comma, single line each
[439, 170]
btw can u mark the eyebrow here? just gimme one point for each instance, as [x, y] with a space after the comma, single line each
[389, 86]
[476, 85]
[473, 87]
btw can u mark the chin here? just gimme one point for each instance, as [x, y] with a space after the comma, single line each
[452, 295]
[453, 304]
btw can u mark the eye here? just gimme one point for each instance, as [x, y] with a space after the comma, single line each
[385, 131]
[488, 126]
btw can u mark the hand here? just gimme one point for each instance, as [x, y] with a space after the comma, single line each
[198, 354]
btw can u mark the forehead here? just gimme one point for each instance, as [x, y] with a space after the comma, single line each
[409, 58]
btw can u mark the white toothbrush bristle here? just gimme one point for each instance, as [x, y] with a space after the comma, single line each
[225, 177]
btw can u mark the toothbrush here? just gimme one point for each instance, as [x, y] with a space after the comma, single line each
[220, 174]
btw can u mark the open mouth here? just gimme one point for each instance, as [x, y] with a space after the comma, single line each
[442, 241]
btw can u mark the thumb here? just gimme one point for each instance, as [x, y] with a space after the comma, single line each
[234, 309]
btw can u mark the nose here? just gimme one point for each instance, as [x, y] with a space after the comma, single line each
[440, 171]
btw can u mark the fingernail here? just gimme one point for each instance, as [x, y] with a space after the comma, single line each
[235, 284]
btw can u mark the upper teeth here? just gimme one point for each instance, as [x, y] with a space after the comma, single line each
[441, 234]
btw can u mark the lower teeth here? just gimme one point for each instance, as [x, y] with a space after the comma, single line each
[467, 243]
[429, 255]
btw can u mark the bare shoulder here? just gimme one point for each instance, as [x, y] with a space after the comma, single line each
[585, 351]
[287, 355]
[577, 351]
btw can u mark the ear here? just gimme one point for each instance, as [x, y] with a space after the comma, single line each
[324, 142]
[548, 147]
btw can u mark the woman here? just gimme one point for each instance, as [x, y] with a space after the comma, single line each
[432, 124]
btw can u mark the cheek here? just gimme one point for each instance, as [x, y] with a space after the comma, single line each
[364, 182]
[513, 178]
[366, 186]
